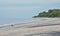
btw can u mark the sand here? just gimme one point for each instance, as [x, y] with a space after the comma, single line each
[41, 27]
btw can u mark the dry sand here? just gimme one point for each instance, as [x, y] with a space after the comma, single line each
[44, 27]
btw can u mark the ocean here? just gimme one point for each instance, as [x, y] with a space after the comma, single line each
[8, 21]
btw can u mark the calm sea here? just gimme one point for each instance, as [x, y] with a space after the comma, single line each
[8, 21]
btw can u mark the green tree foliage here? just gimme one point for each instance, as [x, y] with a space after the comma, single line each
[50, 13]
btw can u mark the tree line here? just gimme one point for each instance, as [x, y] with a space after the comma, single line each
[50, 13]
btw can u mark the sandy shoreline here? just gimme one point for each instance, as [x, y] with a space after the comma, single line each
[46, 25]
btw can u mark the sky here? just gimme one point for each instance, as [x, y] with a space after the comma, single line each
[26, 8]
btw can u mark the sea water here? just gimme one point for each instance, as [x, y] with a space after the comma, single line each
[8, 21]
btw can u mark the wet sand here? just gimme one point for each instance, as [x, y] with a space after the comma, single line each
[44, 27]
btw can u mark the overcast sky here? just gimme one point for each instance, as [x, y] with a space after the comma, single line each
[25, 8]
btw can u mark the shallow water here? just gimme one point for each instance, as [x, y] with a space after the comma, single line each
[7, 21]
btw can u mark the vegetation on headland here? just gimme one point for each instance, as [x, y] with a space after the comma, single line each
[50, 13]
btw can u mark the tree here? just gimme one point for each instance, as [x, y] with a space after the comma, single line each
[50, 13]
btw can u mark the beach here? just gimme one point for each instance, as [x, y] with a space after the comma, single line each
[40, 27]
